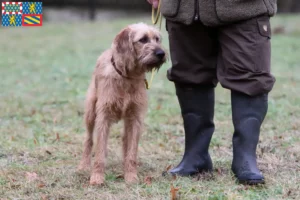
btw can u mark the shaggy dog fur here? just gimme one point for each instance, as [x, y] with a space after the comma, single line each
[117, 91]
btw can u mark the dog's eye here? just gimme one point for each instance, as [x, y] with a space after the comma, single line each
[156, 39]
[144, 39]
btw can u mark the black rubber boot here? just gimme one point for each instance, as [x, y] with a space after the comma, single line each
[248, 114]
[197, 108]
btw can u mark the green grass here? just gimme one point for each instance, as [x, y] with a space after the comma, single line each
[45, 72]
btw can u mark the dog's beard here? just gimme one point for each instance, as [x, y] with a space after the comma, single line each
[149, 61]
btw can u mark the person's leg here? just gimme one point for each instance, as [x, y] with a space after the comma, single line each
[244, 68]
[194, 54]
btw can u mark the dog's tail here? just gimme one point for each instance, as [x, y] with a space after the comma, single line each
[89, 118]
[90, 112]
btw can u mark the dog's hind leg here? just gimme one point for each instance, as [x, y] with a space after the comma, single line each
[89, 118]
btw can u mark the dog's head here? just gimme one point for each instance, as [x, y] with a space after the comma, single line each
[139, 46]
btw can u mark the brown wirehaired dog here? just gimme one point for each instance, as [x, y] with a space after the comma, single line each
[117, 91]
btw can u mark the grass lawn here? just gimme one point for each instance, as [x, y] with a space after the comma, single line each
[45, 72]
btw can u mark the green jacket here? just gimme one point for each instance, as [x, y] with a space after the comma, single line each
[216, 12]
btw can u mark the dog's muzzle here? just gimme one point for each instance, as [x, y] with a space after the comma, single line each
[160, 54]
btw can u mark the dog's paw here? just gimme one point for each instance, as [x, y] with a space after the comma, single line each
[131, 178]
[83, 168]
[97, 179]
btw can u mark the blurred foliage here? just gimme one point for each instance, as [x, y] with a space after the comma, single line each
[288, 5]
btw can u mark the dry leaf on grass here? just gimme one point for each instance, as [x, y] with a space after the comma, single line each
[173, 192]
[168, 168]
[148, 180]
[48, 152]
[33, 111]
[31, 176]
[158, 107]
[57, 137]
[165, 172]
[120, 176]
[219, 171]
[41, 185]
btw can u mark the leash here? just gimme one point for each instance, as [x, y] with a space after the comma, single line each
[156, 17]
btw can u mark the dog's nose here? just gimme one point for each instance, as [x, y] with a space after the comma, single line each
[160, 53]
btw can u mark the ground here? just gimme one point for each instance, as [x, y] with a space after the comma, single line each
[45, 72]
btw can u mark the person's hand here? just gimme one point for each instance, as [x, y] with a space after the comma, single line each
[154, 3]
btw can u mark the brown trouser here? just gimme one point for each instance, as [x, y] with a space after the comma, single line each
[236, 55]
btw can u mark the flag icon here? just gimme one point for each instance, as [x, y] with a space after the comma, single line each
[22, 13]
[32, 8]
[11, 20]
[11, 8]
[32, 20]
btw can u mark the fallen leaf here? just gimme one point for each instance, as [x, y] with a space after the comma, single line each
[57, 136]
[158, 107]
[165, 172]
[174, 177]
[173, 192]
[33, 111]
[48, 152]
[31, 176]
[148, 180]
[121, 176]
[35, 141]
[41, 185]
[168, 168]
[219, 171]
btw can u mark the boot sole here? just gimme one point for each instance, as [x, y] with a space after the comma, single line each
[251, 182]
[167, 173]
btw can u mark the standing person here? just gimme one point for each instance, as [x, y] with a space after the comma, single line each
[222, 41]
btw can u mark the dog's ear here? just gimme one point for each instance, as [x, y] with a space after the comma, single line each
[123, 41]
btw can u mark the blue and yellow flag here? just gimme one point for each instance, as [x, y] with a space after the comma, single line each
[22, 14]
[32, 8]
[12, 20]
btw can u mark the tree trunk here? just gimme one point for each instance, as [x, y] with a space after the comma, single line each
[296, 6]
[284, 6]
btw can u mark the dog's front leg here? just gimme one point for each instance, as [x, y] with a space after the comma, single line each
[102, 130]
[132, 131]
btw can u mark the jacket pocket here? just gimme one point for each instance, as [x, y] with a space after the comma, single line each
[169, 8]
[235, 10]
[263, 45]
[264, 27]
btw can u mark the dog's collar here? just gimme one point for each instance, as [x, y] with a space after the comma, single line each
[127, 77]
[115, 67]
